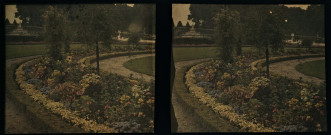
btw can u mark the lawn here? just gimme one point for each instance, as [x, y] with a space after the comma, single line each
[16, 51]
[313, 68]
[144, 65]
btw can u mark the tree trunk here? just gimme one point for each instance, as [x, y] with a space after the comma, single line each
[267, 61]
[97, 53]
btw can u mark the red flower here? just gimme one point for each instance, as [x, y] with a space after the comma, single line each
[257, 105]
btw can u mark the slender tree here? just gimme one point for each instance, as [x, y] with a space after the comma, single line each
[97, 23]
[270, 34]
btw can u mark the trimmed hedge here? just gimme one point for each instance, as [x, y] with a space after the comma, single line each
[208, 119]
[256, 65]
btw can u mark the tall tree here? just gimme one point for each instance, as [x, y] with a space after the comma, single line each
[96, 23]
[55, 30]
[227, 23]
[270, 33]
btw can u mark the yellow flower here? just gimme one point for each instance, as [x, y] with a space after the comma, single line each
[140, 114]
[140, 100]
[308, 105]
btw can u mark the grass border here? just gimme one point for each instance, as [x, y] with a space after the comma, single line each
[299, 69]
[126, 65]
[209, 120]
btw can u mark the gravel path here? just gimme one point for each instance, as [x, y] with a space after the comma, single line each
[287, 68]
[186, 122]
[115, 65]
[15, 120]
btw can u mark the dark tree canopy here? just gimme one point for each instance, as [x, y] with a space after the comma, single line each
[298, 19]
[179, 24]
[31, 14]
[187, 25]
[15, 23]
[7, 22]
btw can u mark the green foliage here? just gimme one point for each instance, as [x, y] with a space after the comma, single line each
[307, 43]
[134, 39]
[56, 31]
[270, 31]
[31, 14]
[227, 31]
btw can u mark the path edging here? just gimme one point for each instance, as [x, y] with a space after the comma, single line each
[258, 64]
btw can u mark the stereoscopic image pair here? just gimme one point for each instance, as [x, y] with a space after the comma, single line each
[90, 68]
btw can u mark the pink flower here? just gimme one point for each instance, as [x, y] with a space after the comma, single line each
[316, 97]
[107, 116]
[257, 105]
[107, 107]
[297, 106]
[275, 110]
[148, 93]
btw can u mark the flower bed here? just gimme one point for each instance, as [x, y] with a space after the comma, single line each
[108, 103]
[256, 103]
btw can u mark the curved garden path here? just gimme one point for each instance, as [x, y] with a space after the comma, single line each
[186, 121]
[115, 65]
[287, 68]
[15, 120]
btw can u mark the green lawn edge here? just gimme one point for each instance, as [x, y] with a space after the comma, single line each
[302, 68]
[44, 119]
[129, 65]
[209, 120]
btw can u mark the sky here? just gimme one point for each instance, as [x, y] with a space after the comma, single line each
[181, 11]
[10, 13]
